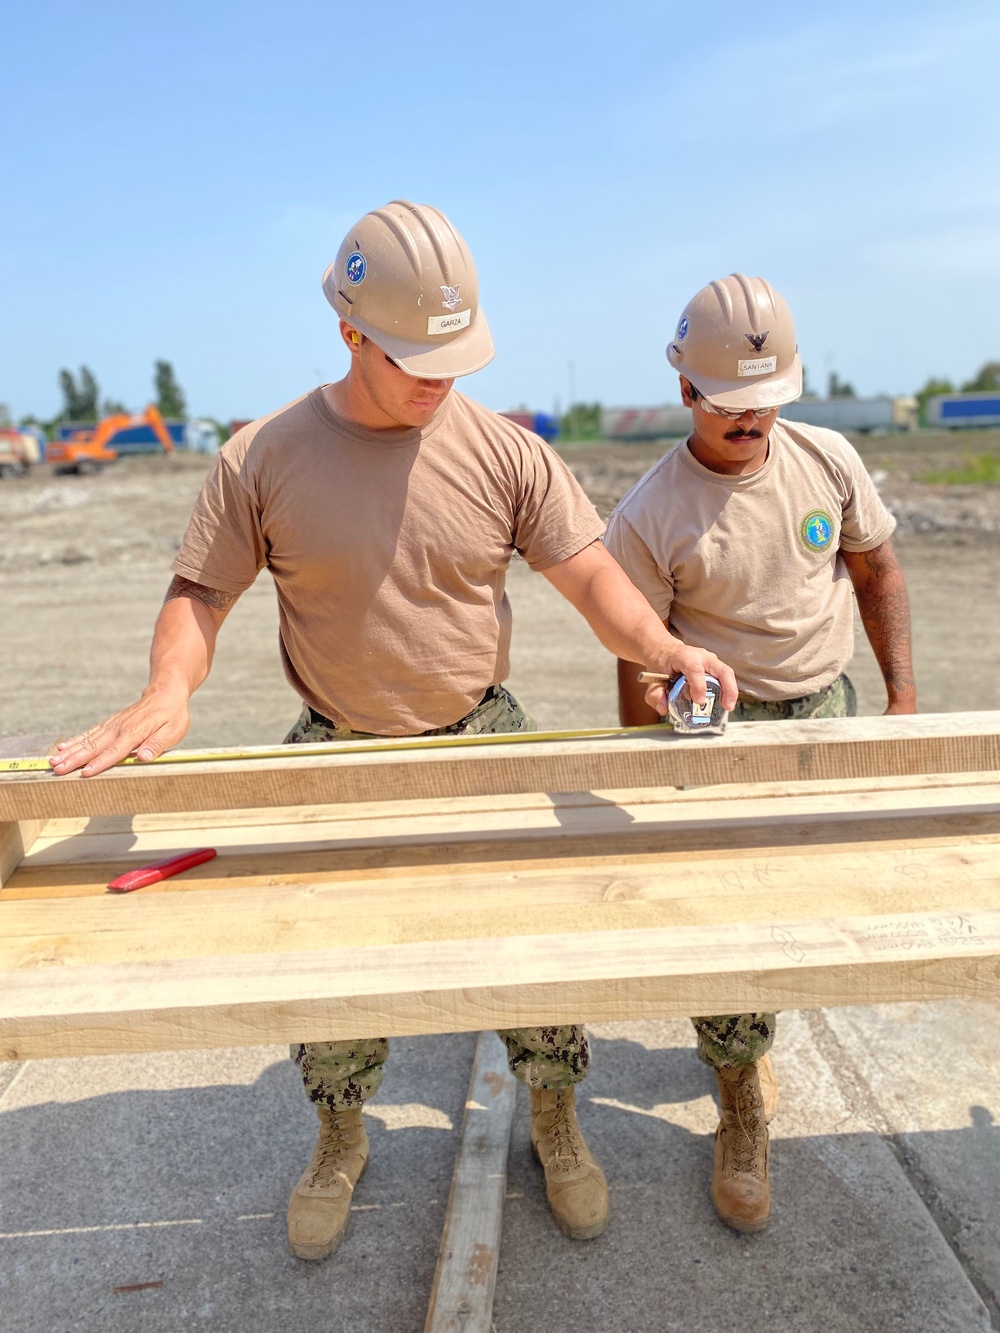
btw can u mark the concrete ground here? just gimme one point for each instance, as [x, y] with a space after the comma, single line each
[149, 1192]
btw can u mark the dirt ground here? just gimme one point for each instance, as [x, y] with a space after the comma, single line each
[84, 562]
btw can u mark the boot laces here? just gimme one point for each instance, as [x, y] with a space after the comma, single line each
[749, 1129]
[566, 1140]
[328, 1159]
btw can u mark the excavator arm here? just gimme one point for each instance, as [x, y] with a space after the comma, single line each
[155, 418]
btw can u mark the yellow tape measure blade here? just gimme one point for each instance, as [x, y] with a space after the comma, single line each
[376, 744]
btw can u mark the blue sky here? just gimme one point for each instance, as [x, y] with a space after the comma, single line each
[176, 180]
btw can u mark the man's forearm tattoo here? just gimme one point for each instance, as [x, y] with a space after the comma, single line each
[885, 613]
[212, 597]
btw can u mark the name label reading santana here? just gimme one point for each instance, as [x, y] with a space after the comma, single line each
[761, 365]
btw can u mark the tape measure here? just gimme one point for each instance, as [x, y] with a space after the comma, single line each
[375, 745]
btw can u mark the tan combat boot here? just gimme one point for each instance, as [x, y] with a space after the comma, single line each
[768, 1087]
[574, 1184]
[321, 1202]
[741, 1190]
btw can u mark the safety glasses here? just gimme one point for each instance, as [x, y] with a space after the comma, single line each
[730, 413]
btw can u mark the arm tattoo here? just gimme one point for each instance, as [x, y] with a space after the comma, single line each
[212, 597]
[885, 613]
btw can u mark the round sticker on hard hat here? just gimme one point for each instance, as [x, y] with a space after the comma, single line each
[682, 329]
[816, 530]
[356, 268]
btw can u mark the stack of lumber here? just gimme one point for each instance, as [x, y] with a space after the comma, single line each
[377, 891]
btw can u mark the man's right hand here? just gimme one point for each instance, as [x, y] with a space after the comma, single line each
[146, 729]
[183, 643]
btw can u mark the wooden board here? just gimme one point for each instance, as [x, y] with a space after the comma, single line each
[551, 897]
[471, 985]
[465, 1278]
[372, 835]
[425, 913]
[750, 752]
[16, 839]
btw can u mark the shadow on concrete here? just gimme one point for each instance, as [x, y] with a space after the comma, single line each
[187, 1188]
[180, 1195]
[850, 1246]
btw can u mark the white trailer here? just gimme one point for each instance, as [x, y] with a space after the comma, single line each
[859, 415]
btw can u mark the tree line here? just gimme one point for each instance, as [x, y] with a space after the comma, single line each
[82, 401]
[582, 421]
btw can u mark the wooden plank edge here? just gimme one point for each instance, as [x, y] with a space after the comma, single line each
[453, 986]
[817, 749]
[16, 840]
[545, 824]
[465, 1277]
[348, 814]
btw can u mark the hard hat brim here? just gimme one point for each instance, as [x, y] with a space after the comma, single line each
[765, 392]
[462, 354]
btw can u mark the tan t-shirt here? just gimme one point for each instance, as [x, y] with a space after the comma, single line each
[749, 567]
[388, 550]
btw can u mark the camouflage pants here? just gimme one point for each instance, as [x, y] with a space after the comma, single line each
[347, 1073]
[741, 1039]
[838, 699]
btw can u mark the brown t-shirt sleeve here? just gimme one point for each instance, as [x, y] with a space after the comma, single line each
[553, 519]
[224, 546]
[639, 563]
[866, 523]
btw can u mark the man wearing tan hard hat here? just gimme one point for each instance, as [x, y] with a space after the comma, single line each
[387, 509]
[747, 538]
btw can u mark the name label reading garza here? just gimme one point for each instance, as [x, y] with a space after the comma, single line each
[761, 365]
[448, 323]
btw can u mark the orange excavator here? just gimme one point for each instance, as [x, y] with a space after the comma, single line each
[87, 449]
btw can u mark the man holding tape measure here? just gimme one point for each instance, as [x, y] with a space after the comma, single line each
[749, 537]
[387, 509]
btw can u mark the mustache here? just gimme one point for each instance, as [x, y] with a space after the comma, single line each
[744, 435]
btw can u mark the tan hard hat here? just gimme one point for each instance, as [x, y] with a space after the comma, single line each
[735, 342]
[404, 277]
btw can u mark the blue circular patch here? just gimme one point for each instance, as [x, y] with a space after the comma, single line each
[356, 267]
[682, 329]
[816, 530]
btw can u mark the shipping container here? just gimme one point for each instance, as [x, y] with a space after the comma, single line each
[542, 423]
[955, 410]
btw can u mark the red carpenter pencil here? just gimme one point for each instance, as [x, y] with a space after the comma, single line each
[173, 865]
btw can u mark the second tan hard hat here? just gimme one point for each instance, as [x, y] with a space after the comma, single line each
[405, 278]
[735, 342]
